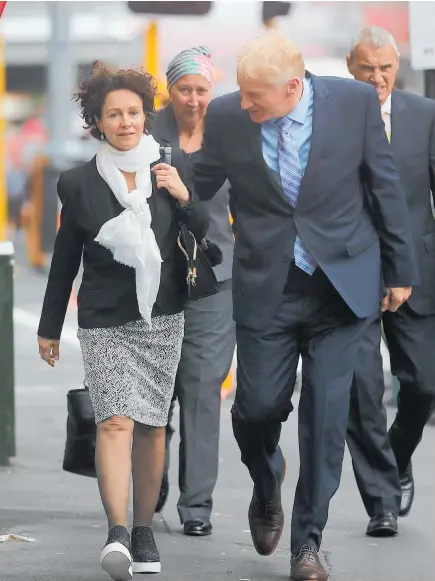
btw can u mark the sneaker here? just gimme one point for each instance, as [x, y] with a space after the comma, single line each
[116, 555]
[146, 558]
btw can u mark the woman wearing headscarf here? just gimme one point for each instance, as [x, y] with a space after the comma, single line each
[209, 339]
[121, 211]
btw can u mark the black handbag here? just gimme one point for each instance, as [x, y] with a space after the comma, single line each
[200, 259]
[81, 434]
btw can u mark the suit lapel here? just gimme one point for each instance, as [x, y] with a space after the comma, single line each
[104, 205]
[401, 127]
[322, 128]
[255, 141]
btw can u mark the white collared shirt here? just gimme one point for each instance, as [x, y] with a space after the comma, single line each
[386, 114]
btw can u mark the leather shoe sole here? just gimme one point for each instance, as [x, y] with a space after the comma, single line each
[382, 532]
[307, 566]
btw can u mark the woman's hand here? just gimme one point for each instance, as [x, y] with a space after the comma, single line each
[167, 177]
[49, 350]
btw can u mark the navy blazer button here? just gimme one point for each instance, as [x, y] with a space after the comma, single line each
[285, 258]
[296, 217]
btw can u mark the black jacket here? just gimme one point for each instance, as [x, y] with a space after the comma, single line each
[413, 145]
[107, 295]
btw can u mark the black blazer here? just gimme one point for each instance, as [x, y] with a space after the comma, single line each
[107, 295]
[413, 145]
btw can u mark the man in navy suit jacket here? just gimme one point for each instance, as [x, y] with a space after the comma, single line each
[323, 243]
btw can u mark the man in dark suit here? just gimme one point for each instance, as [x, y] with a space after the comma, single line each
[379, 458]
[311, 269]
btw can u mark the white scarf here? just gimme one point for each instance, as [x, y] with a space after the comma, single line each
[129, 236]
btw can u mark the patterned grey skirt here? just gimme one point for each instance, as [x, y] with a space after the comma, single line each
[130, 370]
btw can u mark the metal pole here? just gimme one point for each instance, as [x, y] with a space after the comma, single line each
[7, 384]
[7, 387]
[61, 83]
[429, 84]
[3, 188]
[151, 54]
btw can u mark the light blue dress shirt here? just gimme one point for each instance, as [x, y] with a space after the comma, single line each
[302, 128]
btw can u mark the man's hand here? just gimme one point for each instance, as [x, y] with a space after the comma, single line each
[395, 297]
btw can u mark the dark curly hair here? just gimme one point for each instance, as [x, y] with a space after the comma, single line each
[102, 80]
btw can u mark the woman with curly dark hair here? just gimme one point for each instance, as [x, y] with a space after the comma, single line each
[120, 211]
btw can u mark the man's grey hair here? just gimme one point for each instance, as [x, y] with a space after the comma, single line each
[374, 35]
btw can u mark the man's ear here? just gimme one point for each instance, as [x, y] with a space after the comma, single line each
[292, 85]
[349, 63]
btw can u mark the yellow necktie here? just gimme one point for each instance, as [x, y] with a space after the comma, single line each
[384, 117]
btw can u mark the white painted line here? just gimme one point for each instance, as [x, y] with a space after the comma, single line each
[31, 321]
[39, 389]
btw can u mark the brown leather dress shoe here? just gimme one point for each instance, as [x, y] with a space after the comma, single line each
[306, 566]
[266, 521]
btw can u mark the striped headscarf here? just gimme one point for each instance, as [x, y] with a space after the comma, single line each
[192, 61]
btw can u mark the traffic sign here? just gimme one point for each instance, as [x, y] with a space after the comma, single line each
[422, 35]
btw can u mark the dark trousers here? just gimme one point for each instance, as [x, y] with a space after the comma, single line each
[373, 459]
[206, 357]
[312, 321]
[376, 457]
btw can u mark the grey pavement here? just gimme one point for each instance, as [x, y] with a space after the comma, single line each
[62, 512]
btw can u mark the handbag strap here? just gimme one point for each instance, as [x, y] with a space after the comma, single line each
[191, 260]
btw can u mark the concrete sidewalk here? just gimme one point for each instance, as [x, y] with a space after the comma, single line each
[62, 513]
